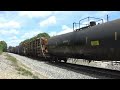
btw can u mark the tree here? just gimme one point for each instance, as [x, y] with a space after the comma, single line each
[3, 46]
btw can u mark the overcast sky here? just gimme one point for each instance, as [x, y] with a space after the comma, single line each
[16, 26]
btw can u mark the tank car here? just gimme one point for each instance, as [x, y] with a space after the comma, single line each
[93, 42]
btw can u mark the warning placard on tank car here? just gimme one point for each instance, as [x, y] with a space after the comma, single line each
[94, 43]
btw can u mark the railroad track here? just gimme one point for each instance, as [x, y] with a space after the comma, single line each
[89, 70]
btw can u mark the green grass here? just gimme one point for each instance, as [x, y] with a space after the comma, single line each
[20, 70]
[14, 60]
[1, 52]
[35, 77]
[26, 72]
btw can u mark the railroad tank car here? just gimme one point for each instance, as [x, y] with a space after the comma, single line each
[99, 42]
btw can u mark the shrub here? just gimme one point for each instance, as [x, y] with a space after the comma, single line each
[3, 46]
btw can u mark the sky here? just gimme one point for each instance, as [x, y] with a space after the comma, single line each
[16, 26]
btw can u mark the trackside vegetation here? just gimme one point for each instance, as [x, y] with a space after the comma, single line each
[3, 46]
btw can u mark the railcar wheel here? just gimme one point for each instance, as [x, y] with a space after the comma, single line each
[58, 60]
[65, 60]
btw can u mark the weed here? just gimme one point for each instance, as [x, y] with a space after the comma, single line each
[21, 70]
[9, 57]
[1, 52]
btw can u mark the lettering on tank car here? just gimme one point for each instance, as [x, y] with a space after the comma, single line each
[66, 42]
[95, 43]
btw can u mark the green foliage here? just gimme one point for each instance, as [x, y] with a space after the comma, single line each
[25, 72]
[12, 59]
[21, 70]
[3, 46]
[27, 40]
[43, 35]
[35, 37]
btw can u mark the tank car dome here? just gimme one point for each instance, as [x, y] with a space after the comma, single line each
[92, 23]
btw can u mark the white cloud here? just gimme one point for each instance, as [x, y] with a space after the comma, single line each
[51, 20]
[65, 29]
[13, 42]
[8, 29]
[53, 33]
[13, 38]
[30, 34]
[10, 24]
[9, 32]
[32, 14]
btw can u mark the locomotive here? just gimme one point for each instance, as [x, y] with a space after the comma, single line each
[92, 42]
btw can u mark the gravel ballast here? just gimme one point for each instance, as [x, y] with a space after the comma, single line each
[47, 71]
[102, 64]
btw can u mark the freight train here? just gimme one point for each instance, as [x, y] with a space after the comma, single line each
[92, 42]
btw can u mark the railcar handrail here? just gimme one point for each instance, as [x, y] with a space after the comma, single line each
[87, 25]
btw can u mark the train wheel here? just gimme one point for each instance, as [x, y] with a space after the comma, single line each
[65, 60]
[51, 59]
[57, 60]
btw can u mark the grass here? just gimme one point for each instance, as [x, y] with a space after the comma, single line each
[1, 52]
[26, 72]
[14, 60]
[20, 70]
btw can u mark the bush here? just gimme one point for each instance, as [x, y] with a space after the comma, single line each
[3, 46]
